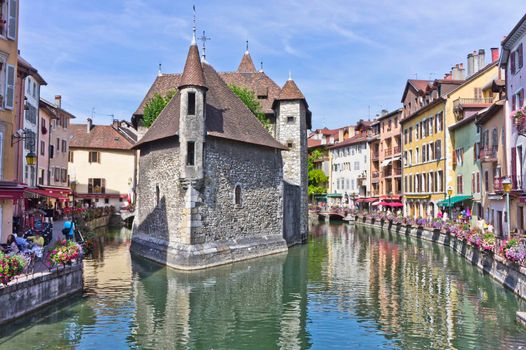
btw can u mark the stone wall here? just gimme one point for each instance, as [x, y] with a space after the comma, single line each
[258, 170]
[196, 223]
[159, 197]
[506, 273]
[27, 295]
[295, 158]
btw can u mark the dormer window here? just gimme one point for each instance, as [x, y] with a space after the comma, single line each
[191, 103]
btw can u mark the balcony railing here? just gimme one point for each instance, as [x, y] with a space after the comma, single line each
[396, 149]
[397, 171]
[374, 155]
[516, 182]
[375, 174]
[388, 151]
[460, 103]
[488, 154]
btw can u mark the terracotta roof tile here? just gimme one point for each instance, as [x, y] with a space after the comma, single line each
[193, 71]
[290, 91]
[313, 143]
[100, 137]
[246, 65]
[350, 141]
[259, 82]
[162, 84]
[226, 117]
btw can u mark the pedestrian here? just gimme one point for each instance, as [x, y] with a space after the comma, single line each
[68, 229]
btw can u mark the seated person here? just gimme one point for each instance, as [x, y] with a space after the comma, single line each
[37, 239]
[20, 242]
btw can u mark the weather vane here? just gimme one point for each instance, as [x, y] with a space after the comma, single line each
[204, 39]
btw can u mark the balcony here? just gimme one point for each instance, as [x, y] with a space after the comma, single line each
[488, 155]
[460, 104]
[397, 171]
[388, 152]
[375, 177]
[374, 155]
[516, 181]
[396, 150]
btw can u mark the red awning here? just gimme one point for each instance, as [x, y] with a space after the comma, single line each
[48, 193]
[11, 190]
[370, 200]
[100, 195]
[11, 193]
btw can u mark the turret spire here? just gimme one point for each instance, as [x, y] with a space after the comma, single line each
[193, 30]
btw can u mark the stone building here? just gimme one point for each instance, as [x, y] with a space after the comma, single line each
[214, 186]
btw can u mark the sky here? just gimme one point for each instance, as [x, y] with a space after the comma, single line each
[351, 58]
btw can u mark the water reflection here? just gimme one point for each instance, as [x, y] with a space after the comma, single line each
[345, 289]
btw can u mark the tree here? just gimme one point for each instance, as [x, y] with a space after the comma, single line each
[155, 105]
[317, 178]
[249, 99]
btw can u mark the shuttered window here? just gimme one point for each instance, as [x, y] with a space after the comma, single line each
[519, 56]
[11, 20]
[512, 63]
[9, 101]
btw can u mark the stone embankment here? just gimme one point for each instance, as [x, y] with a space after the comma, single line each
[509, 274]
[29, 293]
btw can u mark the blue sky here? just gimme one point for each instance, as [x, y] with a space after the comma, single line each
[348, 57]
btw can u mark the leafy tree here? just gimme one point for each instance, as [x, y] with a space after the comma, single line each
[249, 99]
[317, 178]
[155, 105]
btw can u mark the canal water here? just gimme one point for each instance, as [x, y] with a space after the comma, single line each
[345, 289]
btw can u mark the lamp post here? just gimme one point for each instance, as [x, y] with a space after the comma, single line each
[506, 186]
[449, 193]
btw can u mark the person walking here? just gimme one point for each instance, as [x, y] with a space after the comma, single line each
[69, 229]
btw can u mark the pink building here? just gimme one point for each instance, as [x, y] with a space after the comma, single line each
[512, 61]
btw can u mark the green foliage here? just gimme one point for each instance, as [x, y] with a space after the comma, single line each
[249, 99]
[317, 178]
[155, 105]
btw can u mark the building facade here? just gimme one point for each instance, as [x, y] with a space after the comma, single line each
[102, 165]
[10, 190]
[389, 158]
[512, 62]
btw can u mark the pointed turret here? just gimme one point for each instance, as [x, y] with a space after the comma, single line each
[290, 91]
[246, 65]
[193, 71]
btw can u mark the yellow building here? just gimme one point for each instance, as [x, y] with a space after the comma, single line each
[10, 191]
[423, 159]
[428, 156]
[102, 165]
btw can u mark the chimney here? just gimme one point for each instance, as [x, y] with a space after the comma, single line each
[384, 112]
[58, 101]
[482, 59]
[89, 125]
[454, 72]
[475, 62]
[116, 123]
[461, 71]
[470, 64]
[494, 54]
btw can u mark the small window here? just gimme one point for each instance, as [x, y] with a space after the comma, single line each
[70, 157]
[190, 153]
[157, 194]
[191, 103]
[290, 144]
[94, 157]
[290, 120]
[237, 196]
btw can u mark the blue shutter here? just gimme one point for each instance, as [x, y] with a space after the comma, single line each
[9, 100]
[11, 20]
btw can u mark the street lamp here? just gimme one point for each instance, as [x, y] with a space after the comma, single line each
[31, 158]
[506, 186]
[449, 193]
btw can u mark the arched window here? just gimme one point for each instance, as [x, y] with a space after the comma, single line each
[237, 196]
[157, 195]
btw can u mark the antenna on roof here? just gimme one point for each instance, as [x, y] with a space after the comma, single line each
[193, 28]
[247, 47]
[159, 71]
[261, 66]
[204, 39]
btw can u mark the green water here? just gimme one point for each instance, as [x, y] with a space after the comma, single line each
[342, 290]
